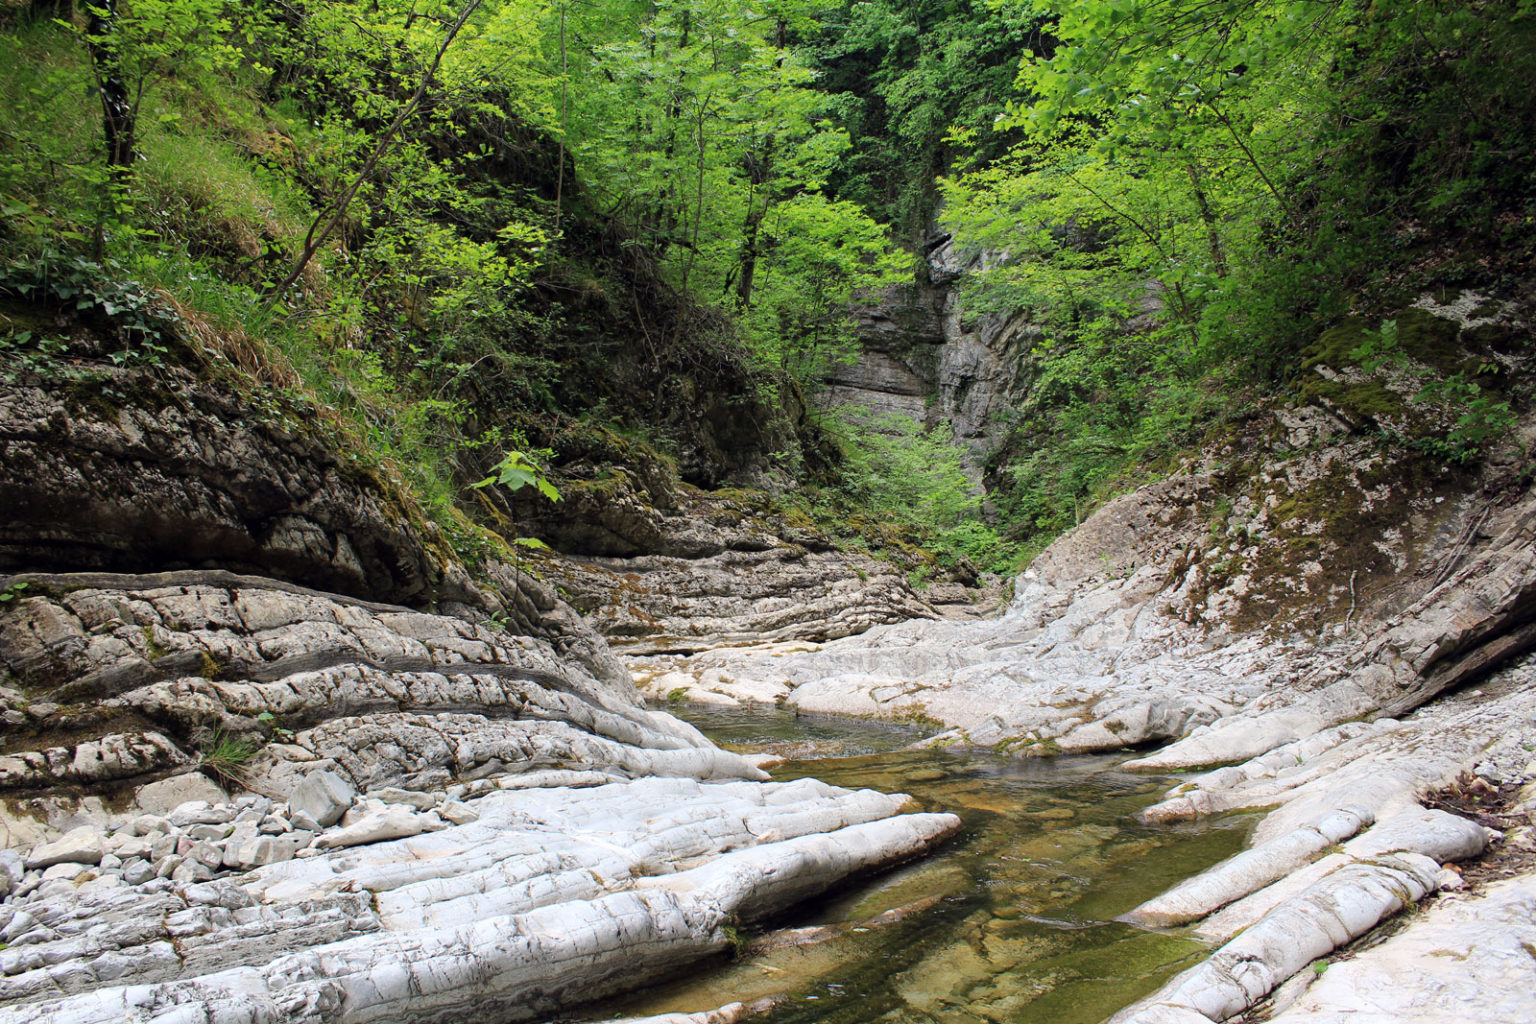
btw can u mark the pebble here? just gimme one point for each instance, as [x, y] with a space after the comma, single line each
[200, 812]
[209, 832]
[410, 797]
[191, 871]
[457, 813]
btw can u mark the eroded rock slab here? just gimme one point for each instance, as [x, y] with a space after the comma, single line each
[549, 898]
[1469, 957]
[145, 678]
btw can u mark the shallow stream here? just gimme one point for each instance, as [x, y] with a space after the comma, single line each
[1012, 921]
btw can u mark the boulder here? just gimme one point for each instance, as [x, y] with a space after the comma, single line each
[394, 822]
[83, 845]
[166, 795]
[324, 796]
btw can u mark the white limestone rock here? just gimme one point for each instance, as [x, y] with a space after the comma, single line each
[83, 845]
[456, 813]
[552, 897]
[395, 821]
[411, 798]
[1341, 907]
[1466, 959]
[161, 798]
[324, 796]
[1247, 872]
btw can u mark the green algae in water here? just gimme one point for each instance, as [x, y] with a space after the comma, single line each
[1011, 921]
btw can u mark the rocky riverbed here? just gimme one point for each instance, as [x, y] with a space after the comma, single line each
[247, 789]
[1319, 633]
[440, 817]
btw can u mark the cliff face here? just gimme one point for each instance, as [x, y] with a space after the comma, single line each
[923, 355]
[145, 470]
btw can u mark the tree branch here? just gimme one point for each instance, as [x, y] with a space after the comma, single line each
[317, 235]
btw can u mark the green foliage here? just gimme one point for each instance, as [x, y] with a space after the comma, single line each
[1195, 187]
[279, 733]
[917, 85]
[1182, 194]
[913, 477]
[1479, 418]
[701, 129]
[14, 592]
[140, 321]
[517, 470]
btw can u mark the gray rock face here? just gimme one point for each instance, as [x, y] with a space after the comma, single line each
[324, 796]
[719, 571]
[187, 476]
[662, 604]
[923, 355]
[378, 695]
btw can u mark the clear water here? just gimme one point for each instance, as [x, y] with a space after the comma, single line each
[1012, 921]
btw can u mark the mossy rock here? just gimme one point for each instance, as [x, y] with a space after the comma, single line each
[1427, 339]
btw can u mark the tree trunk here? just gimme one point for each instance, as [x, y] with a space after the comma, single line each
[1208, 218]
[757, 176]
[47, 9]
[116, 107]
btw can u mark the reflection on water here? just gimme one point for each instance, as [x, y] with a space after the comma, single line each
[1011, 921]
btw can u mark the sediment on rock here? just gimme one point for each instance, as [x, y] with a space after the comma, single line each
[716, 571]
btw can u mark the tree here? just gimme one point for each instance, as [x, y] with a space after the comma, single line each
[132, 48]
[701, 128]
[330, 217]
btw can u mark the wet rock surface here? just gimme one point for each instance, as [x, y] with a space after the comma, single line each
[1331, 630]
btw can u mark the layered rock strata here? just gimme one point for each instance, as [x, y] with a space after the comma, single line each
[718, 571]
[148, 678]
[530, 835]
[547, 898]
[1469, 956]
[144, 470]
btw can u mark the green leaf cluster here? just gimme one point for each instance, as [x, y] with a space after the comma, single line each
[1197, 187]
[517, 470]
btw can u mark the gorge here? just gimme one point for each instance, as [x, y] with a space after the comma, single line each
[816, 511]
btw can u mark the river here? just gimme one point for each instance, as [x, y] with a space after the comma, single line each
[1012, 921]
